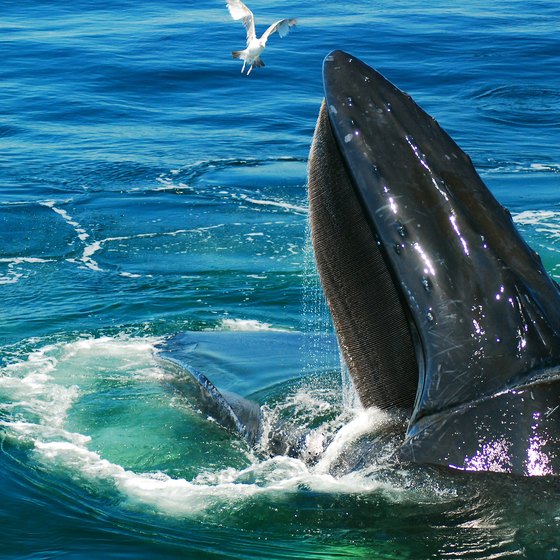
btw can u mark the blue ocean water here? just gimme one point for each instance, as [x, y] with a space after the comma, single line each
[150, 188]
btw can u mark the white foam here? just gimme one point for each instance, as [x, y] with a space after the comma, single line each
[532, 217]
[545, 167]
[11, 278]
[517, 167]
[87, 253]
[177, 496]
[19, 260]
[279, 204]
[129, 353]
[14, 273]
[39, 434]
[543, 221]
[168, 184]
[80, 231]
[170, 495]
[31, 390]
[294, 249]
[246, 325]
[95, 246]
[365, 422]
[39, 387]
[279, 475]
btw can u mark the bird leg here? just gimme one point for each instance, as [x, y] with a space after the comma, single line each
[250, 70]
[242, 69]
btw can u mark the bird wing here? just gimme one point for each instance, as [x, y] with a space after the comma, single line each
[283, 27]
[238, 10]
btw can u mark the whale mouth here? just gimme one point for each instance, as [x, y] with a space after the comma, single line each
[370, 318]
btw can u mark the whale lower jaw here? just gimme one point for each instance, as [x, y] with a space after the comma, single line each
[522, 442]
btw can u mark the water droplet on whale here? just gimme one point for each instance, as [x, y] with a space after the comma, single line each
[427, 284]
[401, 230]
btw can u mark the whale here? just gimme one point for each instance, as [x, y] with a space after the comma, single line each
[443, 314]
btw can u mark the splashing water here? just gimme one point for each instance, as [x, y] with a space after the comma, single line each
[100, 410]
[316, 319]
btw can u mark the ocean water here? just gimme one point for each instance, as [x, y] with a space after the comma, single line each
[149, 188]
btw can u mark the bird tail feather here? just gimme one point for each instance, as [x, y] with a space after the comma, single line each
[258, 62]
[238, 54]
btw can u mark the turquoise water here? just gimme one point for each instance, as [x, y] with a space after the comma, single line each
[149, 188]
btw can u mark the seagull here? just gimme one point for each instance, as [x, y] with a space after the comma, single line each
[251, 55]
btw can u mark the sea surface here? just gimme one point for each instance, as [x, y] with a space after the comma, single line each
[150, 188]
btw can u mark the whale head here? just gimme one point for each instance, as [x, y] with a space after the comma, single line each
[439, 306]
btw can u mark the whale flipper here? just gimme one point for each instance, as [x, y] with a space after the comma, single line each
[231, 410]
[233, 360]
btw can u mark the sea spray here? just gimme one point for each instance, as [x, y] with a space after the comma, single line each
[97, 412]
[317, 321]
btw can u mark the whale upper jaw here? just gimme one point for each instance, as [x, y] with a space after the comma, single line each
[439, 305]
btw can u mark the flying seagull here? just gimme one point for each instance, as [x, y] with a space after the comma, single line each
[251, 55]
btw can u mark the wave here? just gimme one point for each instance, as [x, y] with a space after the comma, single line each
[549, 218]
[192, 172]
[504, 167]
[89, 245]
[545, 223]
[50, 394]
[15, 271]
[227, 179]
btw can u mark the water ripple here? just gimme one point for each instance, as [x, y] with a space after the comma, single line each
[521, 105]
